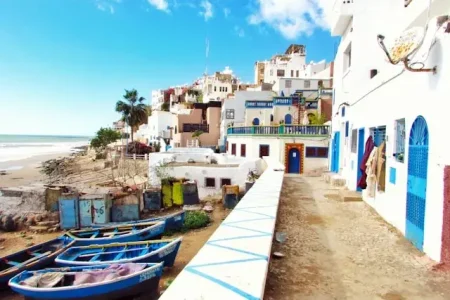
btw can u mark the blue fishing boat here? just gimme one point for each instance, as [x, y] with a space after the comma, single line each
[105, 282]
[32, 258]
[136, 252]
[173, 222]
[118, 234]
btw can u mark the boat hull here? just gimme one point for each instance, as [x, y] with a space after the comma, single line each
[173, 222]
[166, 254]
[40, 263]
[153, 232]
[143, 282]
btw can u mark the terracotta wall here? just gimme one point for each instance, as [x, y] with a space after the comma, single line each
[326, 108]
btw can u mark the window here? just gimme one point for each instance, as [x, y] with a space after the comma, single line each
[292, 73]
[307, 84]
[233, 149]
[343, 111]
[229, 114]
[227, 147]
[297, 73]
[215, 88]
[243, 150]
[280, 73]
[354, 140]
[288, 84]
[346, 128]
[176, 129]
[271, 72]
[210, 182]
[264, 150]
[317, 152]
[378, 134]
[399, 150]
[225, 181]
[348, 57]
[226, 89]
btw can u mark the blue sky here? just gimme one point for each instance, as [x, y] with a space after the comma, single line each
[64, 63]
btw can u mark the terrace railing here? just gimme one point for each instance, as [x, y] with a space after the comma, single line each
[190, 127]
[282, 130]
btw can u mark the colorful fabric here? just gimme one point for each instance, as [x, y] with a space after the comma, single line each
[110, 273]
[44, 280]
[362, 182]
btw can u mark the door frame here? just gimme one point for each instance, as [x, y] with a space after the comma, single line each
[300, 148]
[361, 148]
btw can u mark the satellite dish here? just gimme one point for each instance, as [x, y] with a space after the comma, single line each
[406, 44]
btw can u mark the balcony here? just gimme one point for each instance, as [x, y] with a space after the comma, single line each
[189, 127]
[342, 15]
[283, 130]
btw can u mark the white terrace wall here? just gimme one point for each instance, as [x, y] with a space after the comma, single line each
[233, 264]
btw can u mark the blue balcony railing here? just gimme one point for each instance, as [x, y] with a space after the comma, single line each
[282, 130]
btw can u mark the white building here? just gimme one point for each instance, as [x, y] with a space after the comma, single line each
[158, 127]
[217, 87]
[157, 99]
[233, 110]
[404, 112]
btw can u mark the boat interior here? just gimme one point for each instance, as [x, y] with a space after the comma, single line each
[114, 253]
[30, 255]
[109, 232]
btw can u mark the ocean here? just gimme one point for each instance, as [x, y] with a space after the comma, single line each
[18, 147]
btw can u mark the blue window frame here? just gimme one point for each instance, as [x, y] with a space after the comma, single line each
[378, 134]
[346, 128]
[317, 152]
[343, 111]
[399, 151]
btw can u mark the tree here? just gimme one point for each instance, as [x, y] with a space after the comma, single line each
[196, 135]
[318, 119]
[104, 137]
[165, 106]
[133, 110]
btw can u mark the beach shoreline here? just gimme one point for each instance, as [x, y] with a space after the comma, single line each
[26, 171]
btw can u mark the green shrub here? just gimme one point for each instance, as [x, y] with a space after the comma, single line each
[196, 219]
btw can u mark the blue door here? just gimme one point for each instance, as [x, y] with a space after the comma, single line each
[417, 182]
[361, 147]
[68, 213]
[294, 161]
[256, 121]
[335, 153]
[288, 119]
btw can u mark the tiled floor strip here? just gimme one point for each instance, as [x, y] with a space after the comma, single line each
[234, 262]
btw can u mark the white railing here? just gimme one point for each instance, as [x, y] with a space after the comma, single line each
[233, 264]
[137, 156]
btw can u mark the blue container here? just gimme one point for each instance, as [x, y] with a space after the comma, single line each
[68, 211]
[152, 200]
[230, 200]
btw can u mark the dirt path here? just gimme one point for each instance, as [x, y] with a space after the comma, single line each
[192, 242]
[337, 250]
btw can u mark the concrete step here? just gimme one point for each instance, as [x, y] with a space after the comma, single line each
[351, 196]
[337, 181]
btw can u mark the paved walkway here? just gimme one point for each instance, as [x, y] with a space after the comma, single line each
[337, 250]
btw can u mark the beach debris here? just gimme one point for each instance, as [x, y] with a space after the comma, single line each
[280, 237]
[278, 255]
[29, 244]
[192, 207]
[3, 172]
[208, 208]
[7, 223]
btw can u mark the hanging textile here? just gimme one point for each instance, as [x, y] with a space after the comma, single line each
[381, 167]
[367, 151]
[371, 172]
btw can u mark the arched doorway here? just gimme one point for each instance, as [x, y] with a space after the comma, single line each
[255, 122]
[294, 161]
[288, 119]
[416, 194]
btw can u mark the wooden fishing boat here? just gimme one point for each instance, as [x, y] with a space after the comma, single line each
[135, 252]
[105, 282]
[32, 258]
[118, 234]
[173, 222]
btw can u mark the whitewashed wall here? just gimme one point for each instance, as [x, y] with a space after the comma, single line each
[395, 94]
[277, 147]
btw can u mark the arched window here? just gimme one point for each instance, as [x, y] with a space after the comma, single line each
[288, 119]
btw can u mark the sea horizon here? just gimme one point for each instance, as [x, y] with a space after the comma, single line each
[15, 147]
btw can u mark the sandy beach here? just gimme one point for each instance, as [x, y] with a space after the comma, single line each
[25, 171]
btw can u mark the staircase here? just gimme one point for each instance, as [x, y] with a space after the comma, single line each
[299, 102]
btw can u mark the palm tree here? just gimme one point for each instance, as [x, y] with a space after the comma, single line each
[133, 110]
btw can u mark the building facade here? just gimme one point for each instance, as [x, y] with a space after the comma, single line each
[388, 140]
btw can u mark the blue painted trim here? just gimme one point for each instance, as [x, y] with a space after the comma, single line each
[262, 206]
[262, 257]
[240, 238]
[392, 175]
[255, 213]
[243, 228]
[244, 221]
[223, 284]
[228, 262]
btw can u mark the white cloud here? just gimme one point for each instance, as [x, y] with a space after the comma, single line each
[105, 6]
[160, 4]
[239, 31]
[292, 18]
[226, 12]
[208, 10]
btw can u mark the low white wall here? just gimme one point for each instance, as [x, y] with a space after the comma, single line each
[233, 264]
